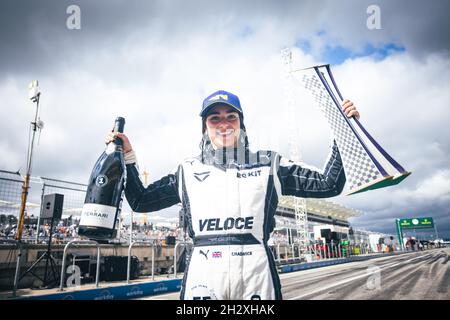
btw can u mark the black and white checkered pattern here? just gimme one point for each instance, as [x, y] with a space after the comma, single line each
[359, 168]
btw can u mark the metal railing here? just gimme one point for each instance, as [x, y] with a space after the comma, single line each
[286, 247]
[278, 253]
[175, 256]
[290, 252]
[285, 253]
[152, 244]
[293, 245]
[80, 242]
[286, 256]
[19, 254]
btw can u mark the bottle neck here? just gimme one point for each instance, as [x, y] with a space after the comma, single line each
[118, 127]
[119, 145]
[114, 146]
[118, 142]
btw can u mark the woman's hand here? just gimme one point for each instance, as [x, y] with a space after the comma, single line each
[111, 136]
[349, 109]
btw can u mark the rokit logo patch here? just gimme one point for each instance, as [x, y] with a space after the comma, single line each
[201, 176]
[256, 173]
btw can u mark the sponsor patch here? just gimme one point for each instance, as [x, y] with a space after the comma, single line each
[202, 292]
[101, 181]
[218, 224]
[255, 173]
[204, 253]
[219, 97]
[242, 253]
[202, 175]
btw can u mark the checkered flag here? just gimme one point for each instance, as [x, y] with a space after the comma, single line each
[367, 165]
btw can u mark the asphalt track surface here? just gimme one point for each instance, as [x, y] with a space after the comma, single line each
[415, 275]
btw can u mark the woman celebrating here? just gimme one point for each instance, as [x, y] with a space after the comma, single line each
[229, 197]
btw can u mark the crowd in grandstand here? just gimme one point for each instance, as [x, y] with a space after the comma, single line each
[67, 230]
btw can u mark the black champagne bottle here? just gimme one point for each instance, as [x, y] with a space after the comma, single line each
[103, 201]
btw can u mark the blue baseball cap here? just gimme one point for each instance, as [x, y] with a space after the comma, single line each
[220, 97]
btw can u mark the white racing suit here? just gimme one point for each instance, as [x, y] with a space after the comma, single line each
[229, 208]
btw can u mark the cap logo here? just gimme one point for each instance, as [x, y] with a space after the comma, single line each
[219, 97]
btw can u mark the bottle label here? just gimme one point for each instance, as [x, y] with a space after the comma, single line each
[101, 181]
[98, 215]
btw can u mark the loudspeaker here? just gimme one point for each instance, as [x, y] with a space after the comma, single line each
[335, 236]
[115, 268]
[52, 206]
[326, 233]
[170, 240]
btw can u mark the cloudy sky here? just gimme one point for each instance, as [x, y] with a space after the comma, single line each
[153, 62]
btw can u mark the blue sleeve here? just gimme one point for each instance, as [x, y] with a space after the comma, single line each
[298, 180]
[158, 195]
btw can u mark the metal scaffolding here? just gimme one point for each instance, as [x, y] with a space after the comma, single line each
[323, 207]
[298, 204]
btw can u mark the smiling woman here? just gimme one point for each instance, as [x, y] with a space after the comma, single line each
[223, 126]
[229, 197]
[223, 123]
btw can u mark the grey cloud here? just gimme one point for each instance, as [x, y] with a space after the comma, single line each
[35, 38]
[384, 221]
[418, 26]
[424, 197]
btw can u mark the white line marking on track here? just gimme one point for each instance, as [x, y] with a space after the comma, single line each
[366, 274]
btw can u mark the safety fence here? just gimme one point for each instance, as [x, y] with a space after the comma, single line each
[86, 259]
[35, 230]
[83, 262]
[74, 194]
[11, 184]
[289, 253]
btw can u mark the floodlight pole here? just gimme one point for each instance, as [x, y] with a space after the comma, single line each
[299, 204]
[26, 184]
